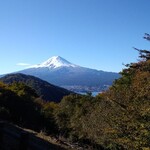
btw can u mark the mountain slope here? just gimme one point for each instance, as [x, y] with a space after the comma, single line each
[44, 89]
[61, 72]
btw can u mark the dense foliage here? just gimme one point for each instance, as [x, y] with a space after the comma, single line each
[116, 119]
[21, 105]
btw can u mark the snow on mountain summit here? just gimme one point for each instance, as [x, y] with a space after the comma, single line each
[55, 62]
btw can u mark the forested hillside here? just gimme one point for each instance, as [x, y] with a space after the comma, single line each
[118, 118]
[45, 90]
[21, 105]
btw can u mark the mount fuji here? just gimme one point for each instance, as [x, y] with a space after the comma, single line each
[58, 71]
[54, 62]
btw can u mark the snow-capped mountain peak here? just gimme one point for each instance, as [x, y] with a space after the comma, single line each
[55, 62]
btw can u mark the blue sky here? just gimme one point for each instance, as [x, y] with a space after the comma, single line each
[97, 34]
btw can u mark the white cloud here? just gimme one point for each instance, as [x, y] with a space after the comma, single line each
[23, 64]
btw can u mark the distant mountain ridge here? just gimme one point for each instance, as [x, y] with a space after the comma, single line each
[45, 90]
[60, 72]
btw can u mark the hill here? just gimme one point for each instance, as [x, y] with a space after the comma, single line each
[117, 119]
[45, 90]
